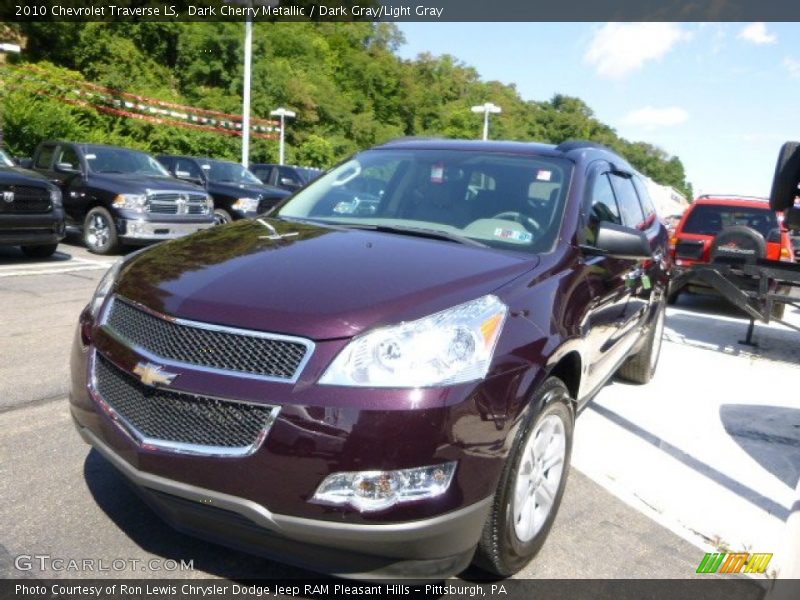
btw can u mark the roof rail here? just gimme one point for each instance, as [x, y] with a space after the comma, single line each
[743, 196]
[569, 145]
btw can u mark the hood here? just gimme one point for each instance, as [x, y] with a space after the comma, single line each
[241, 190]
[321, 283]
[129, 183]
[20, 176]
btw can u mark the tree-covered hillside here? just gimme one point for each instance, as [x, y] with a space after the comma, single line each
[349, 88]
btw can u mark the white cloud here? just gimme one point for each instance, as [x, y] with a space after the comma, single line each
[650, 117]
[792, 65]
[618, 49]
[757, 34]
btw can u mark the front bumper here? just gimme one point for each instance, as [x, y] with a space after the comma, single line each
[428, 548]
[31, 230]
[141, 231]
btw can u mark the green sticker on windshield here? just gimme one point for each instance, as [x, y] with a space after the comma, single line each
[646, 283]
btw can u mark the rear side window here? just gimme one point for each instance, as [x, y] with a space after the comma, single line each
[45, 157]
[709, 219]
[629, 207]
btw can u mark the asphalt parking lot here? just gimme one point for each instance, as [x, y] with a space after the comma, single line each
[706, 457]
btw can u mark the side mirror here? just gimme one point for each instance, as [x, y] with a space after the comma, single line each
[186, 176]
[25, 163]
[619, 241]
[65, 167]
[791, 218]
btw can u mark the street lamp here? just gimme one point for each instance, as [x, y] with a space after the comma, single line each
[15, 49]
[248, 58]
[282, 113]
[486, 109]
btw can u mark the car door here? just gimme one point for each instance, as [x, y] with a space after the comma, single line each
[642, 275]
[607, 279]
[67, 171]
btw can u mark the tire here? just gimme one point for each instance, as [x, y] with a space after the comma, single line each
[738, 243]
[640, 367]
[673, 294]
[512, 535]
[787, 174]
[100, 232]
[222, 216]
[45, 251]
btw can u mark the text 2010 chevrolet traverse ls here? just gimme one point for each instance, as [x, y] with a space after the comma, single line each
[384, 388]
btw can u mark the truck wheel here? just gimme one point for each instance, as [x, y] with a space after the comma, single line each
[100, 232]
[45, 251]
[785, 180]
[641, 367]
[222, 216]
[531, 485]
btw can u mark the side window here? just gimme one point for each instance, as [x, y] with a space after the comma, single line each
[629, 207]
[288, 175]
[647, 202]
[187, 168]
[45, 157]
[262, 173]
[68, 156]
[604, 203]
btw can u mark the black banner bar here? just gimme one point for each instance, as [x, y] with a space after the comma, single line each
[399, 10]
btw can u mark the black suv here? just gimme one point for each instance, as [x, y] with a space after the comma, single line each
[31, 212]
[237, 193]
[288, 177]
[117, 196]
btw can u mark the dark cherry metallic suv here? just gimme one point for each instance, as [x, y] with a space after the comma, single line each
[380, 384]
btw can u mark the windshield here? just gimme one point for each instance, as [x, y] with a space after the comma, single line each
[103, 159]
[227, 172]
[5, 161]
[501, 200]
[710, 219]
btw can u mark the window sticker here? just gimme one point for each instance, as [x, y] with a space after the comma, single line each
[91, 156]
[544, 175]
[437, 173]
[513, 234]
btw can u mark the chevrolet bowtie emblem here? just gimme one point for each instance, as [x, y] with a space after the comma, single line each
[153, 375]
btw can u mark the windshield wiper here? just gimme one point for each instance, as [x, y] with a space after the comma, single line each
[434, 234]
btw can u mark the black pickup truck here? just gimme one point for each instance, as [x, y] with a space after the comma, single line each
[31, 213]
[116, 196]
[237, 193]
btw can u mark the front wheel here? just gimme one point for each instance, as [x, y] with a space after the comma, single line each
[222, 216]
[100, 232]
[641, 367]
[531, 486]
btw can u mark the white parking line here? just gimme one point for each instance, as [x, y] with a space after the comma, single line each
[70, 266]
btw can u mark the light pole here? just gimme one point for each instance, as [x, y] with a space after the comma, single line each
[486, 108]
[282, 113]
[248, 58]
[15, 49]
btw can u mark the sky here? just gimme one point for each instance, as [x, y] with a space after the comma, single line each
[722, 97]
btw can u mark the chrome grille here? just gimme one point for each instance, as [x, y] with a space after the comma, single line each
[178, 421]
[177, 203]
[24, 199]
[261, 354]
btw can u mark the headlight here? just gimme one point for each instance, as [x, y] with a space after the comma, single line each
[209, 203]
[451, 346]
[104, 287]
[376, 490]
[246, 204]
[55, 198]
[137, 202]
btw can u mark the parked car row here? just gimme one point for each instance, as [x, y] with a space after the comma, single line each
[113, 196]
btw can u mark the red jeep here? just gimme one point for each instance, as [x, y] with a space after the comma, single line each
[719, 227]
